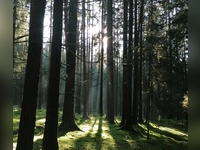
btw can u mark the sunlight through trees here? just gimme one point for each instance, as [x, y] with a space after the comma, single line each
[98, 66]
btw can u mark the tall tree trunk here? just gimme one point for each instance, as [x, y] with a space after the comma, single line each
[149, 73]
[128, 124]
[170, 55]
[63, 57]
[120, 93]
[110, 82]
[136, 73]
[141, 46]
[115, 41]
[80, 79]
[66, 22]
[149, 94]
[116, 89]
[51, 124]
[89, 61]
[85, 80]
[91, 64]
[68, 122]
[21, 89]
[124, 84]
[78, 76]
[102, 58]
[29, 103]
[40, 92]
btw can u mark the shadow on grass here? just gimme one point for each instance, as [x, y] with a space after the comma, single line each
[177, 124]
[159, 139]
[90, 140]
[120, 137]
[100, 137]
[39, 129]
[168, 132]
[40, 114]
[98, 134]
[82, 120]
[37, 144]
[63, 132]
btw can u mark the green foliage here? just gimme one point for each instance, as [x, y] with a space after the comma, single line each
[166, 48]
[98, 134]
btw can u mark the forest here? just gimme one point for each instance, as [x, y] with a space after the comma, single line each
[99, 75]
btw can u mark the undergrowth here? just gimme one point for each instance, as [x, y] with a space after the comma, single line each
[97, 134]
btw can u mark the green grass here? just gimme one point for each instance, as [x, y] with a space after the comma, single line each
[98, 134]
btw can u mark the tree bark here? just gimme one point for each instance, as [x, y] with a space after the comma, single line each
[136, 73]
[110, 82]
[128, 123]
[68, 123]
[40, 92]
[102, 58]
[85, 88]
[141, 46]
[124, 88]
[29, 103]
[51, 124]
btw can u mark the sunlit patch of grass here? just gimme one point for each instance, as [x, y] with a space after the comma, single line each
[16, 120]
[14, 145]
[173, 131]
[96, 133]
[178, 125]
[169, 132]
[41, 120]
[105, 128]
[163, 137]
[15, 125]
[93, 137]
[36, 137]
[95, 128]
[118, 119]
[106, 136]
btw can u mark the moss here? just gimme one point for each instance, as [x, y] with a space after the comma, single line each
[98, 134]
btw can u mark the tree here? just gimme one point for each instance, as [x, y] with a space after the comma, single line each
[40, 92]
[78, 75]
[124, 100]
[136, 73]
[149, 82]
[141, 60]
[68, 122]
[110, 81]
[50, 132]
[128, 97]
[85, 106]
[29, 103]
[102, 58]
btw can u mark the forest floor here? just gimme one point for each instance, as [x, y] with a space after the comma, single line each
[98, 134]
